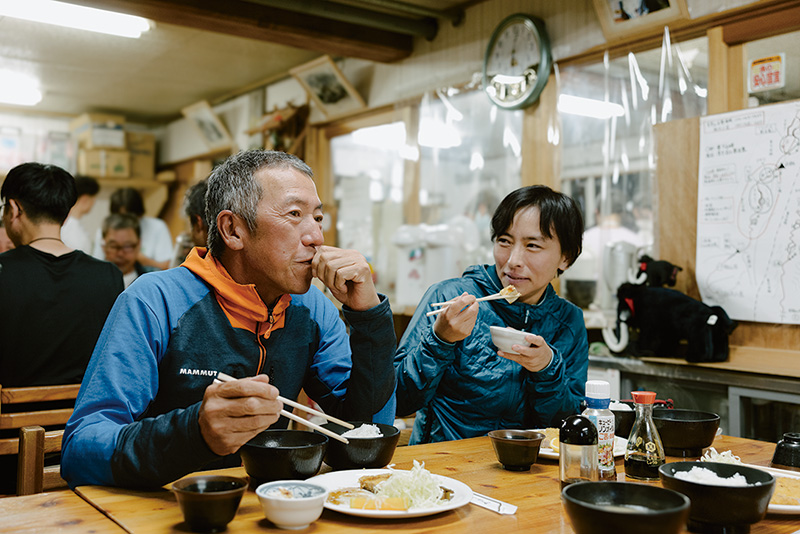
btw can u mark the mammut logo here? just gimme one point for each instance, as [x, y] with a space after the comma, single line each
[197, 372]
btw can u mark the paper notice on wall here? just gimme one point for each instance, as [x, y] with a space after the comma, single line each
[748, 213]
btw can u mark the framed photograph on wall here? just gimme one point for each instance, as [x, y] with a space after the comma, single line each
[328, 87]
[620, 18]
[209, 126]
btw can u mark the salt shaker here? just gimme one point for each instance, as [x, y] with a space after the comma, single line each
[577, 449]
[645, 451]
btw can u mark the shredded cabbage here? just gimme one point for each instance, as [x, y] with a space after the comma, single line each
[418, 487]
[724, 457]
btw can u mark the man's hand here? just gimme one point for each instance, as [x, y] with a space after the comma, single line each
[533, 358]
[346, 273]
[458, 320]
[234, 412]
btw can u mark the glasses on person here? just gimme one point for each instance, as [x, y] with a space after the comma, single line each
[116, 247]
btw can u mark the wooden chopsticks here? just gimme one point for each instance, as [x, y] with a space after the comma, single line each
[496, 296]
[222, 377]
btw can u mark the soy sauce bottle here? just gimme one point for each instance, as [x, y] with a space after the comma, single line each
[598, 398]
[577, 450]
[645, 452]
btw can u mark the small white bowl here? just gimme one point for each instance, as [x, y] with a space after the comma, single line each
[291, 504]
[505, 336]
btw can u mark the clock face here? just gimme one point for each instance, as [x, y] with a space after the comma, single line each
[517, 62]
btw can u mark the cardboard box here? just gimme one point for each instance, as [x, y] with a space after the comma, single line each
[99, 130]
[142, 147]
[104, 163]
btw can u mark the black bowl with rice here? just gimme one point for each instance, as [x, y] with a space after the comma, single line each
[371, 445]
[726, 498]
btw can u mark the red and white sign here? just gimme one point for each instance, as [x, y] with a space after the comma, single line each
[767, 73]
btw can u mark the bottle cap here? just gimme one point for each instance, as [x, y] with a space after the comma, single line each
[578, 430]
[643, 397]
[598, 389]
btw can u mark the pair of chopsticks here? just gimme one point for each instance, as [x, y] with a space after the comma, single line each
[496, 296]
[222, 377]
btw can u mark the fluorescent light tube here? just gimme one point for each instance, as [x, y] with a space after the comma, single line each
[73, 16]
[19, 89]
[587, 107]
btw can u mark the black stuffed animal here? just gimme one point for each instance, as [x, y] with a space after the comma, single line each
[659, 272]
[663, 317]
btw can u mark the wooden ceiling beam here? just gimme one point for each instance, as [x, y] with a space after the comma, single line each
[245, 19]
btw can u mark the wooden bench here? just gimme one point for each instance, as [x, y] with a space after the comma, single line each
[33, 441]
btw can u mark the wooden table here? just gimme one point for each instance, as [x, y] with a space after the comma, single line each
[472, 461]
[60, 511]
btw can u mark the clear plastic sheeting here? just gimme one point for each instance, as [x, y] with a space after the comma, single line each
[607, 113]
[416, 196]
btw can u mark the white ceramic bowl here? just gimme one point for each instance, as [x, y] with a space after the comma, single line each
[505, 336]
[291, 504]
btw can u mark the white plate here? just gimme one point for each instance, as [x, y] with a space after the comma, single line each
[619, 448]
[780, 508]
[335, 480]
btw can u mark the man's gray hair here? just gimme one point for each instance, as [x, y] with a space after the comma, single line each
[232, 186]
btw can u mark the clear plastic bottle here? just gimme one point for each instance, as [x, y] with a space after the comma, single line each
[577, 450]
[598, 397]
[645, 452]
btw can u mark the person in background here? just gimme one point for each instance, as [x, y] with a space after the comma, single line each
[156, 242]
[195, 209]
[149, 411]
[72, 232]
[5, 241]
[55, 299]
[121, 241]
[448, 370]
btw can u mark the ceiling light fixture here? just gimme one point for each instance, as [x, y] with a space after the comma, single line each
[19, 89]
[78, 17]
[587, 107]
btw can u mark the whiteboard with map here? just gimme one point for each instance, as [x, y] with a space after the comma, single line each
[748, 213]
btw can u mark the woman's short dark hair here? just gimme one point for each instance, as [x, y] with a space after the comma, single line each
[127, 200]
[45, 192]
[558, 214]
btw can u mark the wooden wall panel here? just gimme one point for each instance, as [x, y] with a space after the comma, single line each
[677, 152]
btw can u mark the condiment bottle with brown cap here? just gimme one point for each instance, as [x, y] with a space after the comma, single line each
[645, 452]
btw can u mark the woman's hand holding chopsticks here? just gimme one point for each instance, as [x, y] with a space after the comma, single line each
[457, 319]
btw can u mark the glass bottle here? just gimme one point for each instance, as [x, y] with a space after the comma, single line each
[645, 452]
[598, 397]
[577, 450]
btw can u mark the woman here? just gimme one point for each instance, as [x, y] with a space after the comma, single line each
[448, 370]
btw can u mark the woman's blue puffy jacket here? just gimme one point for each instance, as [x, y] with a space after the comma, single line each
[465, 389]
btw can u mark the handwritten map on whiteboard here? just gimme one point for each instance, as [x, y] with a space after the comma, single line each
[748, 213]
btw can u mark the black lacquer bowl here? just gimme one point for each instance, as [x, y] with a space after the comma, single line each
[722, 509]
[685, 433]
[517, 450]
[209, 502]
[283, 455]
[369, 453]
[624, 507]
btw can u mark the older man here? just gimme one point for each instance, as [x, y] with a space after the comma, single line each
[149, 412]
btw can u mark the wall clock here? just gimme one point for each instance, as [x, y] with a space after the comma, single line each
[517, 62]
